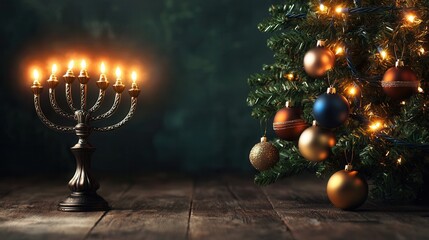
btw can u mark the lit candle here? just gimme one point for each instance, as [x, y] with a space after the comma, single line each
[83, 76]
[118, 74]
[36, 77]
[69, 74]
[134, 78]
[52, 81]
[103, 72]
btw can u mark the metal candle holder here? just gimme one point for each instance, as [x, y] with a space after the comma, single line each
[83, 185]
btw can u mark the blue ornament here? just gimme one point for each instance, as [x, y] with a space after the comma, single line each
[331, 110]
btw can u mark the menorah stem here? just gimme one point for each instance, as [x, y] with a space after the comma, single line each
[83, 90]
[83, 185]
[69, 97]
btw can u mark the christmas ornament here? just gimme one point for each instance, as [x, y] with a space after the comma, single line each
[315, 143]
[288, 123]
[264, 155]
[400, 82]
[346, 189]
[319, 60]
[331, 110]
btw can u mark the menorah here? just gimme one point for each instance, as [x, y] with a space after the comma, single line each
[83, 185]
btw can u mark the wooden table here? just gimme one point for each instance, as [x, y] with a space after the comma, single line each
[223, 207]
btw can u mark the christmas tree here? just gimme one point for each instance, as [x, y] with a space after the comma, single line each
[372, 55]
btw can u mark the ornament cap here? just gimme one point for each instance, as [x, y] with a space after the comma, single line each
[289, 104]
[321, 43]
[314, 123]
[399, 63]
[348, 167]
[264, 139]
[331, 90]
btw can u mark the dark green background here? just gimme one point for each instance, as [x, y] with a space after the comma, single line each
[192, 114]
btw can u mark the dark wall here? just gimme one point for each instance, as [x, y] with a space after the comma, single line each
[196, 54]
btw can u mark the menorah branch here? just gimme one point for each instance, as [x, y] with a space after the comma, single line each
[112, 110]
[99, 101]
[121, 123]
[69, 97]
[56, 107]
[45, 120]
[83, 90]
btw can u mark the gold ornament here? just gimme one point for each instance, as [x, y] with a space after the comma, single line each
[319, 60]
[315, 143]
[264, 155]
[346, 189]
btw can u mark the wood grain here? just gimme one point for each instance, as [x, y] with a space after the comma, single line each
[154, 208]
[228, 209]
[304, 207]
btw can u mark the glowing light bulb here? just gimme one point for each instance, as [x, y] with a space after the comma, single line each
[83, 64]
[403, 103]
[290, 76]
[36, 76]
[322, 7]
[118, 73]
[422, 50]
[399, 161]
[54, 68]
[103, 68]
[339, 51]
[352, 91]
[383, 54]
[71, 65]
[339, 9]
[411, 18]
[420, 89]
[376, 126]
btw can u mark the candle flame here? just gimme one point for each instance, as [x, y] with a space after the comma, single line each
[118, 72]
[103, 68]
[83, 64]
[134, 76]
[36, 75]
[71, 64]
[54, 68]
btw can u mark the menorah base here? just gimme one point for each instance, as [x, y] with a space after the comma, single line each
[83, 202]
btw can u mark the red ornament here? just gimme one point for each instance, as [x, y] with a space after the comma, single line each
[288, 123]
[400, 82]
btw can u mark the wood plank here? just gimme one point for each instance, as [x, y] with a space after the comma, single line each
[156, 207]
[305, 209]
[234, 210]
[31, 212]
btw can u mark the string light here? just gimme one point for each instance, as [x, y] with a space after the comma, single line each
[374, 127]
[339, 50]
[383, 54]
[399, 161]
[422, 51]
[420, 89]
[403, 103]
[411, 18]
[339, 9]
[290, 76]
[352, 91]
[323, 8]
